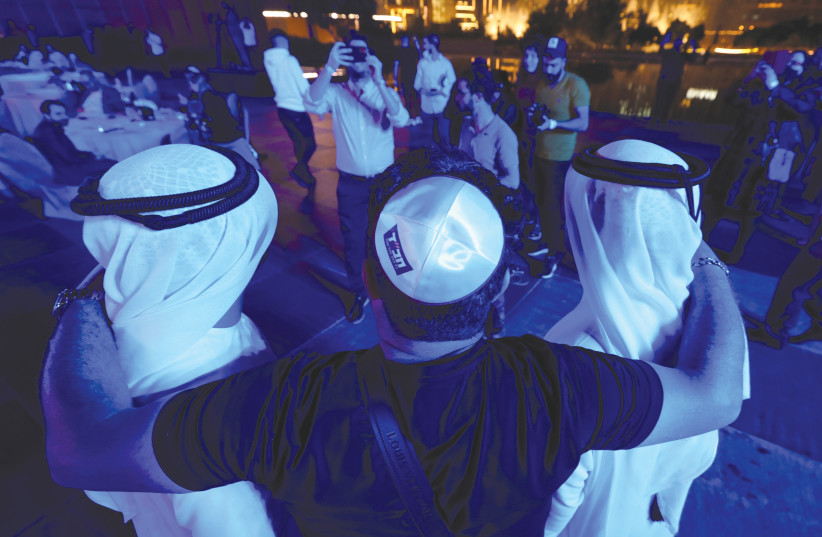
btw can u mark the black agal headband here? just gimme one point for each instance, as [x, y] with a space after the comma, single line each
[589, 164]
[222, 198]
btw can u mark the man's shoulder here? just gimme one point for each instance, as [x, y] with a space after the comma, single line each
[44, 128]
[503, 127]
[576, 80]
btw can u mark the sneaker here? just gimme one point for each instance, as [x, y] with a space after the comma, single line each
[535, 234]
[540, 252]
[356, 311]
[550, 269]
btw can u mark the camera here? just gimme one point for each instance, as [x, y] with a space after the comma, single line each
[359, 53]
[536, 114]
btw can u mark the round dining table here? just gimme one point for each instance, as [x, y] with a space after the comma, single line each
[119, 137]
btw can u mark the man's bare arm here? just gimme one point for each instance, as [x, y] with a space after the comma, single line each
[704, 391]
[95, 438]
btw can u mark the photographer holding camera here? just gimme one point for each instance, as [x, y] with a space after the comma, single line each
[364, 110]
[755, 176]
[566, 99]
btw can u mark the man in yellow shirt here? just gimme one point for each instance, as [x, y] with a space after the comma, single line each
[566, 98]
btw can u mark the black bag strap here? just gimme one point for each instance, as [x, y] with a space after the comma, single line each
[400, 457]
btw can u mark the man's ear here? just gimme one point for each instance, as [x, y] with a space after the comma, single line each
[369, 278]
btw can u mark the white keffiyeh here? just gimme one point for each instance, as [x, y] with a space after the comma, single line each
[165, 290]
[633, 248]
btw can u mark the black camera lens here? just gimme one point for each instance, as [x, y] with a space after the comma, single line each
[359, 54]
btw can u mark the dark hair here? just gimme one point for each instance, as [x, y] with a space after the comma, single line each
[416, 320]
[355, 35]
[277, 33]
[434, 39]
[484, 86]
[46, 106]
[537, 43]
[805, 56]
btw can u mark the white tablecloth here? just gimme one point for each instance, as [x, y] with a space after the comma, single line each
[23, 109]
[20, 83]
[118, 138]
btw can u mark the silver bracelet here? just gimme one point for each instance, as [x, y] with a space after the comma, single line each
[702, 261]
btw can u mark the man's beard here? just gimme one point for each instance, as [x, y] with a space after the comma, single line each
[553, 78]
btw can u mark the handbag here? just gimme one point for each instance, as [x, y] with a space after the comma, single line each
[405, 468]
[779, 168]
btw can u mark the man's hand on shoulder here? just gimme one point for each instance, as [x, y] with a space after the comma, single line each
[95, 438]
[704, 391]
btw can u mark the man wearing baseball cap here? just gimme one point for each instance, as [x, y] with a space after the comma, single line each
[567, 98]
[435, 430]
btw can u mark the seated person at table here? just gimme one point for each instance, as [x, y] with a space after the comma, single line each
[71, 166]
[214, 120]
[26, 175]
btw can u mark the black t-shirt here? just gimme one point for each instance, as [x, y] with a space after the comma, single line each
[498, 429]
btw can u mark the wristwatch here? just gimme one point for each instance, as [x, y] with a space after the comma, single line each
[67, 296]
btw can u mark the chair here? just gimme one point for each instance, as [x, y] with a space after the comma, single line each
[24, 168]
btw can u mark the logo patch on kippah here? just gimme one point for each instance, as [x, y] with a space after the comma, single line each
[395, 252]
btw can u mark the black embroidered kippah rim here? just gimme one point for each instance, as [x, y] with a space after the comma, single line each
[591, 165]
[222, 198]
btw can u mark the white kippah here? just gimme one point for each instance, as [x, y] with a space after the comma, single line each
[439, 239]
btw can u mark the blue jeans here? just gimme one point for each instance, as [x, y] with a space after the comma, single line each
[352, 205]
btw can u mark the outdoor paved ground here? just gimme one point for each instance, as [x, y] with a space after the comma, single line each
[767, 478]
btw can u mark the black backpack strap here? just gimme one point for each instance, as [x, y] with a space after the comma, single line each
[400, 457]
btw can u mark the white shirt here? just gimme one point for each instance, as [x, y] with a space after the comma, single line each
[155, 43]
[286, 78]
[364, 147]
[249, 36]
[434, 74]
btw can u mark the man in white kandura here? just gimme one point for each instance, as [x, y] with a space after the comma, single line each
[633, 247]
[174, 297]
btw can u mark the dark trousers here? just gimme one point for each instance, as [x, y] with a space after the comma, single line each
[301, 131]
[435, 129]
[549, 194]
[410, 97]
[352, 206]
[526, 175]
